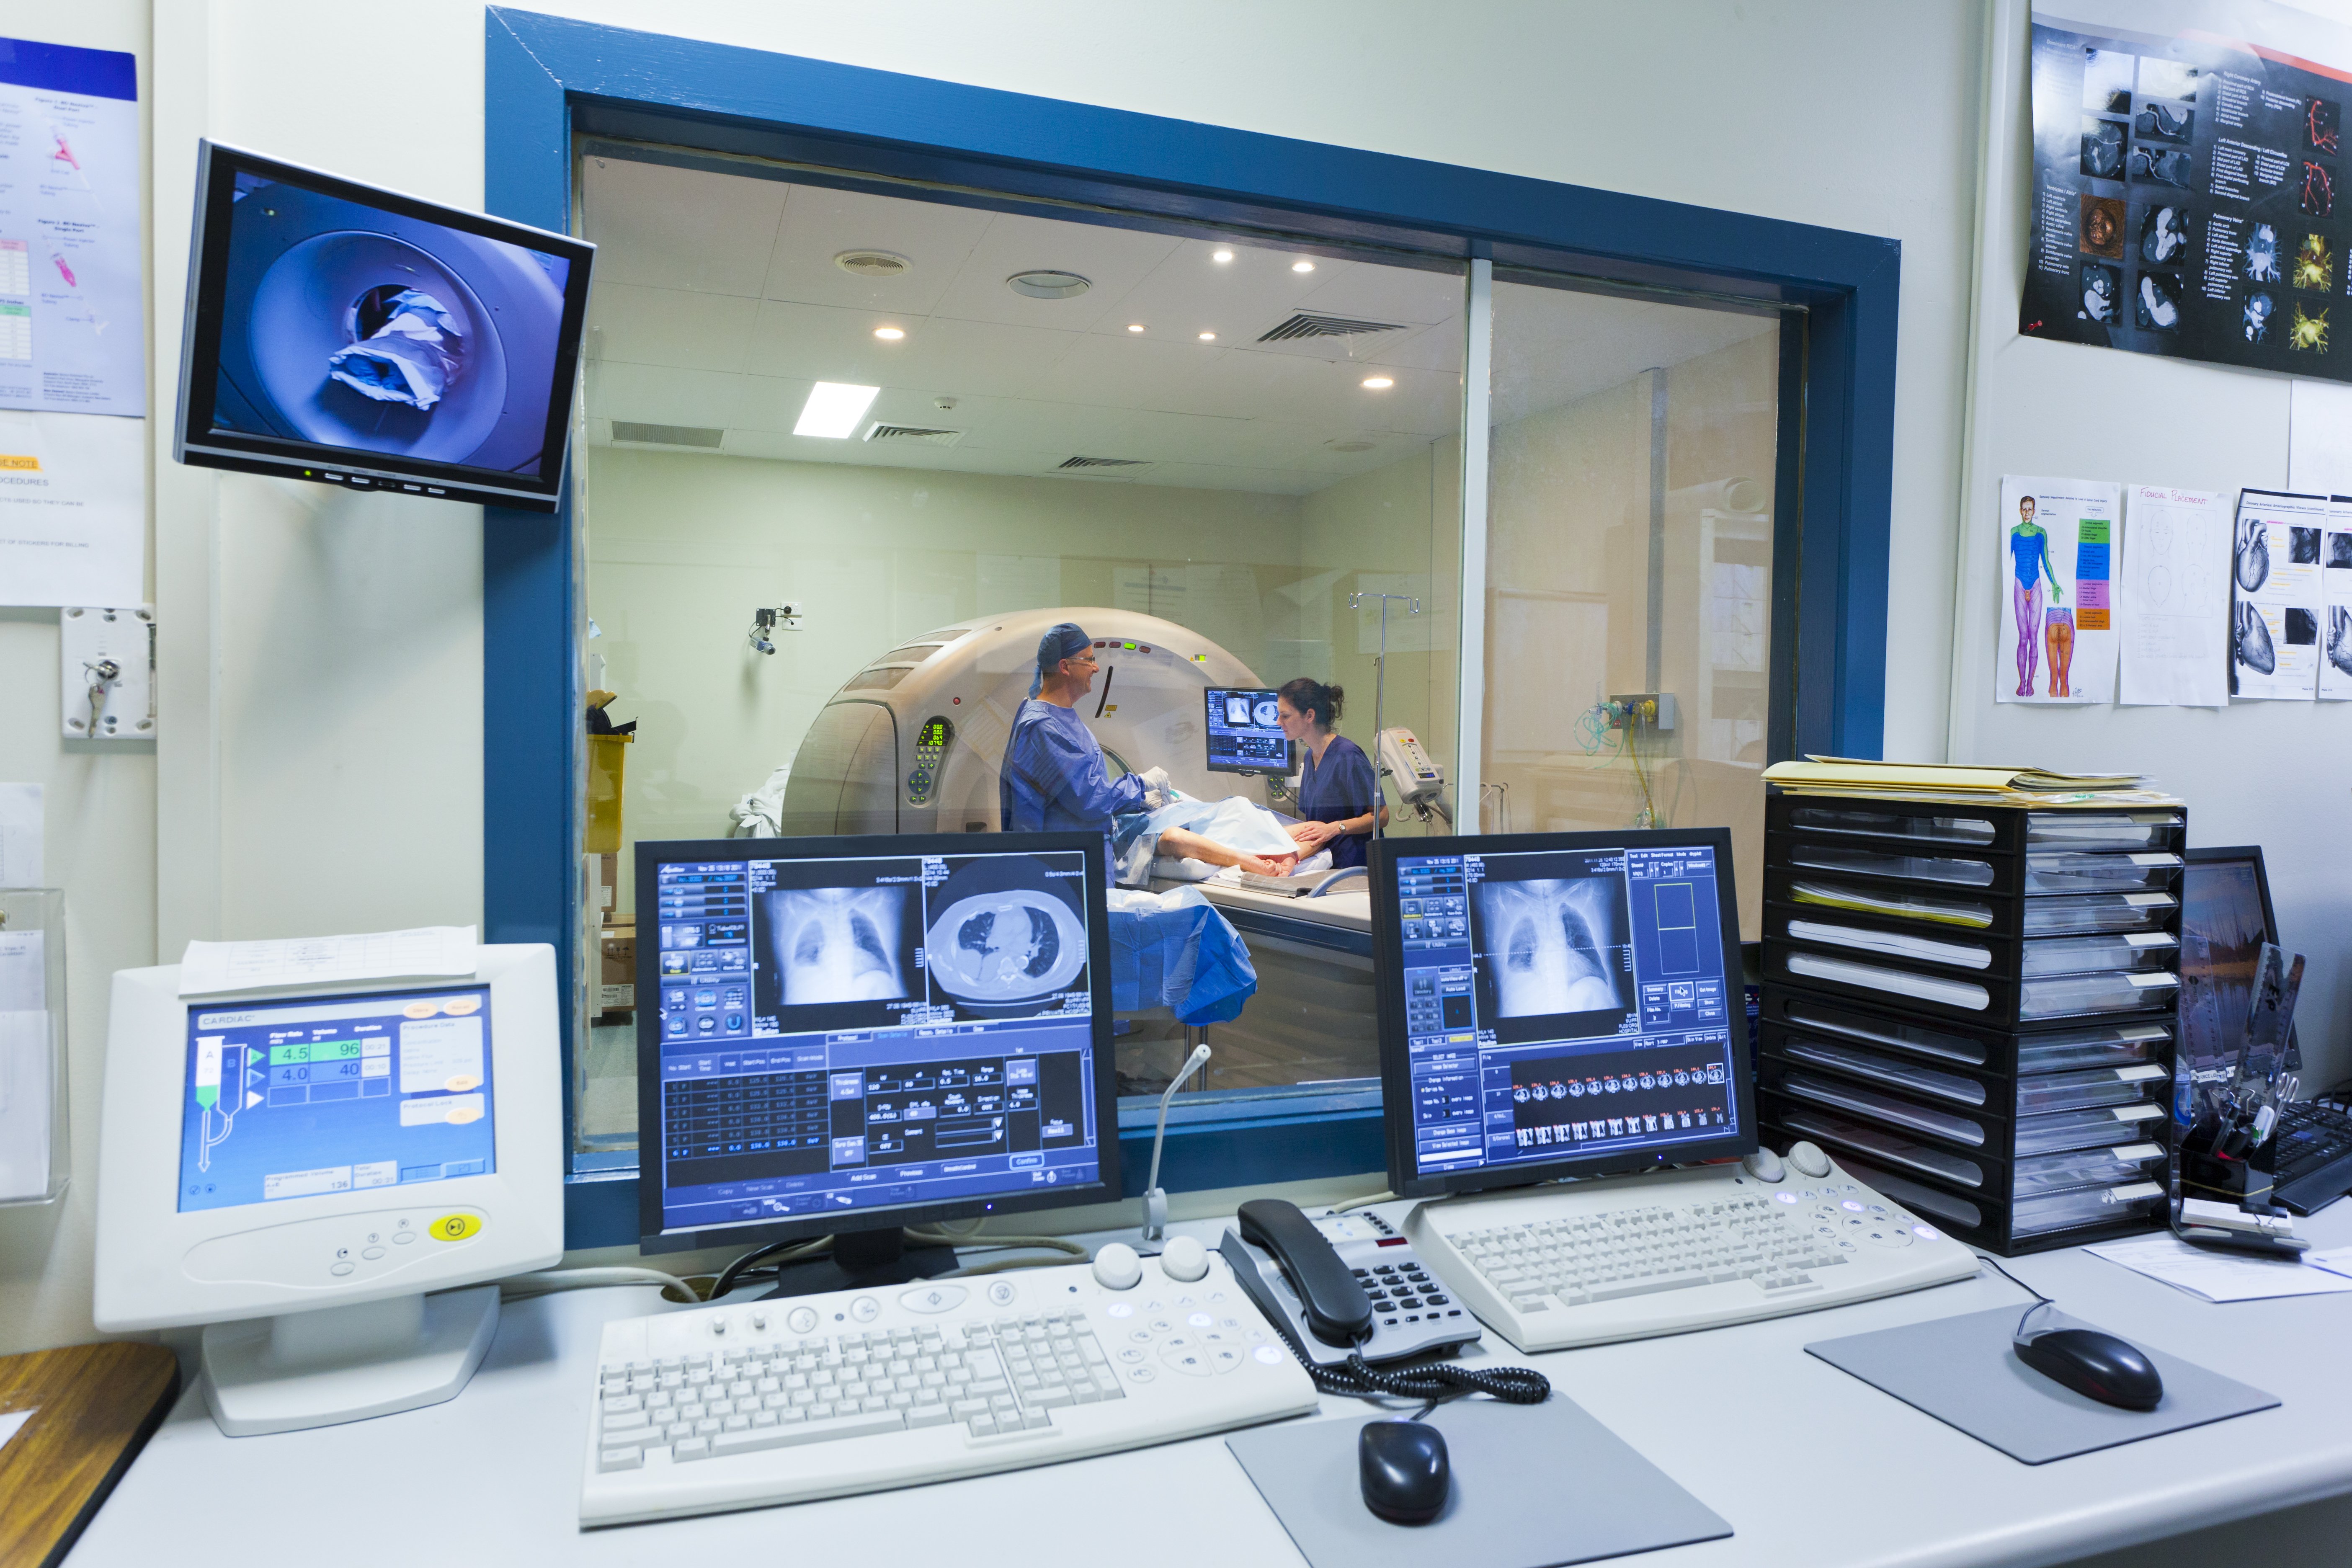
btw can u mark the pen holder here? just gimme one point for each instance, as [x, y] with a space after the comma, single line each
[2244, 1180]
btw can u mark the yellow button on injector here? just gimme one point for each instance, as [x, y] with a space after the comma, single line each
[454, 1226]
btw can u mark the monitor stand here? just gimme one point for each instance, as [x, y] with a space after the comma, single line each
[345, 1363]
[863, 1260]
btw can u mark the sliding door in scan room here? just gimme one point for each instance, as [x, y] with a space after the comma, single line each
[1631, 466]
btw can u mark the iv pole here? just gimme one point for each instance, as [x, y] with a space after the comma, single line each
[1379, 692]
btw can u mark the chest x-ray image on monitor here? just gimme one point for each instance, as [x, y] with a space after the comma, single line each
[1554, 947]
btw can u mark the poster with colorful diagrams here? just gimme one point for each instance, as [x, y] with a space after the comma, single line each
[2056, 544]
[72, 331]
[2275, 591]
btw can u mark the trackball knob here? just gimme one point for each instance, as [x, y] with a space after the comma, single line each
[1809, 1160]
[1183, 1259]
[1116, 1267]
[1764, 1166]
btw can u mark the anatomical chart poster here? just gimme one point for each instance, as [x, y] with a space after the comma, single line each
[72, 334]
[2275, 591]
[2335, 602]
[2172, 598]
[2190, 195]
[2057, 542]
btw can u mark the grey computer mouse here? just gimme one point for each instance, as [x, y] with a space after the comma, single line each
[1402, 1469]
[2097, 1365]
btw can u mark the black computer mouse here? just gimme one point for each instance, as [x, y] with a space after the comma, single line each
[1402, 1468]
[2099, 1366]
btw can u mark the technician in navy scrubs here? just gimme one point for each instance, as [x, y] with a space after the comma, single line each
[1337, 790]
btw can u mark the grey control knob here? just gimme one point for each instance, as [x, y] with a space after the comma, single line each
[1809, 1160]
[1183, 1259]
[1764, 1166]
[1117, 1267]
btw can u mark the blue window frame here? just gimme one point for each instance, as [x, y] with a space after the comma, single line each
[549, 79]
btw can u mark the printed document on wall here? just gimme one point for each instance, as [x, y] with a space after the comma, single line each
[2055, 546]
[2173, 599]
[2335, 602]
[73, 511]
[2274, 581]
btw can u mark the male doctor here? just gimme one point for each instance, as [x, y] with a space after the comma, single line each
[1053, 779]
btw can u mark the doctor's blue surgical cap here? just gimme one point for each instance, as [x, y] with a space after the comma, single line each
[1064, 641]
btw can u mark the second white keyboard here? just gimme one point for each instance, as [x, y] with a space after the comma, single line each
[1628, 1256]
[735, 1406]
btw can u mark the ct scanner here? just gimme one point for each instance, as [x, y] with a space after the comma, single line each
[912, 743]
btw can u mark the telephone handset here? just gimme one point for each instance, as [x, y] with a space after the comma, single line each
[1344, 1285]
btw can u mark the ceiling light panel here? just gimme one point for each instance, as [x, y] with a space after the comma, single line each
[835, 409]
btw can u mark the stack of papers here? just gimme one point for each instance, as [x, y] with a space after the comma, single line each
[426, 951]
[2214, 1276]
[1962, 784]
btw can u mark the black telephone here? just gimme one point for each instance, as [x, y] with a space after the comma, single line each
[1346, 1285]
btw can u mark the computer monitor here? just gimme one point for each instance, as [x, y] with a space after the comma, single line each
[2225, 918]
[1558, 1005]
[319, 1158]
[350, 335]
[1245, 732]
[850, 1035]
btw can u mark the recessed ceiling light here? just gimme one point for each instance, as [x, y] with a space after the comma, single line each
[1208, 337]
[889, 334]
[1223, 256]
[1045, 284]
[834, 409]
[1379, 382]
[1302, 267]
[1135, 326]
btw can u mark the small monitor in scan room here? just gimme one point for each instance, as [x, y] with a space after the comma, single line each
[350, 335]
[1558, 1005]
[1245, 732]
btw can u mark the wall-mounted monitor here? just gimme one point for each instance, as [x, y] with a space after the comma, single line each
[1245, 732]
[353, 336]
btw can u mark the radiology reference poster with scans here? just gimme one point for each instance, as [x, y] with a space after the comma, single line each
[2275, 577]
[2056, 543]
[2335, 602]
[2172, 598]
[2190, 193]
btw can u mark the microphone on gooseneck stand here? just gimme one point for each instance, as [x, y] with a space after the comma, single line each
[1155, 1202]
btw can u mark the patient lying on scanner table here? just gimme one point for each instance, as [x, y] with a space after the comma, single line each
[1191, 840]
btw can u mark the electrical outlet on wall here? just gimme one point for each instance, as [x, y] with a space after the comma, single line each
[107, 668]
[1646, 709]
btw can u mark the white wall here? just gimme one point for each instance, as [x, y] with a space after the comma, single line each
[320, 679]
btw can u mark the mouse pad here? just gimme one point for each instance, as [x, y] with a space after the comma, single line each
[1534, 1486]
[1962, 1372]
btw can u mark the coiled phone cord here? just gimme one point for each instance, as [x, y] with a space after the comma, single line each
[1356, 1378]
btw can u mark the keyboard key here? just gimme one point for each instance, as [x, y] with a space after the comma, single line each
[861, 1425]
[630, 1458]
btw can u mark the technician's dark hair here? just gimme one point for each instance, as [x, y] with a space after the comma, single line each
[1317, 702]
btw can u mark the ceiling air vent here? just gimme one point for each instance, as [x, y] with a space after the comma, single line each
[922, 433]
[1106, 463]
[669, 435]
[1307, 324]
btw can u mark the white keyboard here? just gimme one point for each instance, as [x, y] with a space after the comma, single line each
[1625, 1258]
[737, 1406]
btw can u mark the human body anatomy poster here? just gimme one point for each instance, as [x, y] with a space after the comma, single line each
[2275, 593]
[2190, 193]
[2172, 598]
[2335, 602]
[2057, 541]
[72, 334]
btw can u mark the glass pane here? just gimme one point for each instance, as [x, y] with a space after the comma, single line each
[1198, 450]
[1630, 553]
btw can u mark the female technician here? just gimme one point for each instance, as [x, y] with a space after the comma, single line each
[1337, 791]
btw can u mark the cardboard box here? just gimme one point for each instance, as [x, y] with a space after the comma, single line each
[619, 976]
[608, 882]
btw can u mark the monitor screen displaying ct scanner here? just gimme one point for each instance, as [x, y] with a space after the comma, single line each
[352, 336]
[1559, 1005]
[852, 1033]
[1245, 732]
[300, 1096]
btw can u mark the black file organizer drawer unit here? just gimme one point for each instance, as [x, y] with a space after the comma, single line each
[1975, 1008]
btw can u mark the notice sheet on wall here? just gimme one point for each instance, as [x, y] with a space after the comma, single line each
[2172, 600]
[73, 510]
[2275, 577]
[2335, 602]
[2055, 545]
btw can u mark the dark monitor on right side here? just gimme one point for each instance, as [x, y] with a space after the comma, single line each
[2225, 918]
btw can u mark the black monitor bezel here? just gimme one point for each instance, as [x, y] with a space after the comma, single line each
[196, 443]
[1388, 969]
[1105, 1188]
[2232, 854]
[1208, 737]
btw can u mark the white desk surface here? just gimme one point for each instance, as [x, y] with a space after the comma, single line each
[1810, 1467]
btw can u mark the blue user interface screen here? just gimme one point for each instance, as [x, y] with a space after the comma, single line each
[335, 1094]
[1564, 1004]
[1245, 732]
[859, 1034]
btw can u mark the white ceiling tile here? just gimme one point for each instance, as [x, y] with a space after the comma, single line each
[630, 322]
[1120, 370]
[820, 342]
[678, 228]
[663, 395]
[1114, 260]
[1372, 292]
[1190, 293]
[821, 224]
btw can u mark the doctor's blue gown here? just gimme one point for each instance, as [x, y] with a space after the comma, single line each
[1054, 779]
